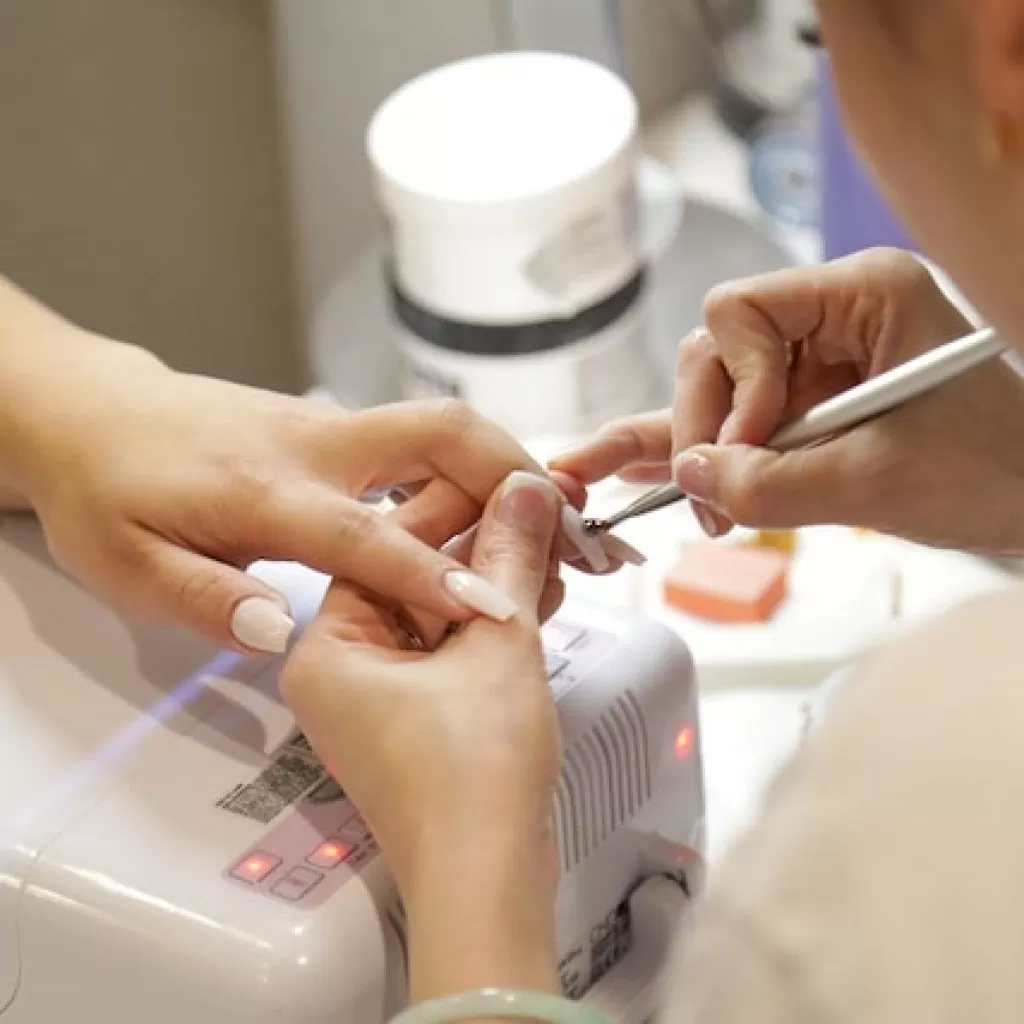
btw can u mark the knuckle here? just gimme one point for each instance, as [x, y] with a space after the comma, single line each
[116, 545]
[887, 261]
[204, 589]
[248, 485]
[313, 428]
[628, 438]
[698, 346]
[722, 299]
[614, 430]
[896, 271]
[748, 498]
[453, 420]
[357, 529]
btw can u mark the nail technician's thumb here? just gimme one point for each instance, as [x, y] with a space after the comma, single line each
[694, 472]
[221, 602]
[757, 487]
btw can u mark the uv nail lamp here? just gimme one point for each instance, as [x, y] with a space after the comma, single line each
[172, 851]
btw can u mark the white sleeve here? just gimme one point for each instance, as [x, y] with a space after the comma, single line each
[885, 882]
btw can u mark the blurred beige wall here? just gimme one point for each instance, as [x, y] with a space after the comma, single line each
[341, 58]
[141, 190]
[142, 155]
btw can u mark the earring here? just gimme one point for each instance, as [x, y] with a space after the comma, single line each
[1002, 140]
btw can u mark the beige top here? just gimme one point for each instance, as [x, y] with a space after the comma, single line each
[885, 884]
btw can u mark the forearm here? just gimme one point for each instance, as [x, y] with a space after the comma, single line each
[481, 913]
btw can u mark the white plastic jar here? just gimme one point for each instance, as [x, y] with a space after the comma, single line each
[516, 273]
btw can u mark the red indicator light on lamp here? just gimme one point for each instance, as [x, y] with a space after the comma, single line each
[684, 742]
[255, 867]
[329, 854]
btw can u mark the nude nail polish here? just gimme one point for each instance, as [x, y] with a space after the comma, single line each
[692, 471]
[527, 501]
[260, 624]
[475, 592]
[616, 547]
[589, 547]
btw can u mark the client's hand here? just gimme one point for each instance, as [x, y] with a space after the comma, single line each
[946, 469]
[158, 489]
[451, 755]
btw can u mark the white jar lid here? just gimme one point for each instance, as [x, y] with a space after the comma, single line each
[501, 129]
[507, 183]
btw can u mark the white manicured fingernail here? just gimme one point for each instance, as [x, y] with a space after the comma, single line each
[261, 625]
[616, 547]
[587, 545]
[475, 592]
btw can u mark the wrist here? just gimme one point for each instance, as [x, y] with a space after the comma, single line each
[55, 382]
[480, 908]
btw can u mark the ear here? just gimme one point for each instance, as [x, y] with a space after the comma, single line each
[999, 55]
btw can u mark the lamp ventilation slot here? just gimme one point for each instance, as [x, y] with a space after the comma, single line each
[605, 781]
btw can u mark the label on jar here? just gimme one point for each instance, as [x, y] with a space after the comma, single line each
[589, 251]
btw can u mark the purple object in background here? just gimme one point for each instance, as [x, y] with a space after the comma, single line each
[853, 216]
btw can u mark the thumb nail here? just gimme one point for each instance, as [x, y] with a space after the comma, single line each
[527, 501]
[692, 472]
[260, 624]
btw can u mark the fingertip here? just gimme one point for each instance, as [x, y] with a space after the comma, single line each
[617, 445]
[576, 467]
[516, 538]
[692, 470]
[260, 622]
[528, 504]
[574, 491]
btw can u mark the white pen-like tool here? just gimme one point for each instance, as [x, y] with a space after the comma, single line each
[849, 409]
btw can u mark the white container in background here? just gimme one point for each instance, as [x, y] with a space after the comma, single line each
[515, 267]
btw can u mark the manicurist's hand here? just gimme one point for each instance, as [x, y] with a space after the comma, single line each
[451, 754]
[946, 469]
